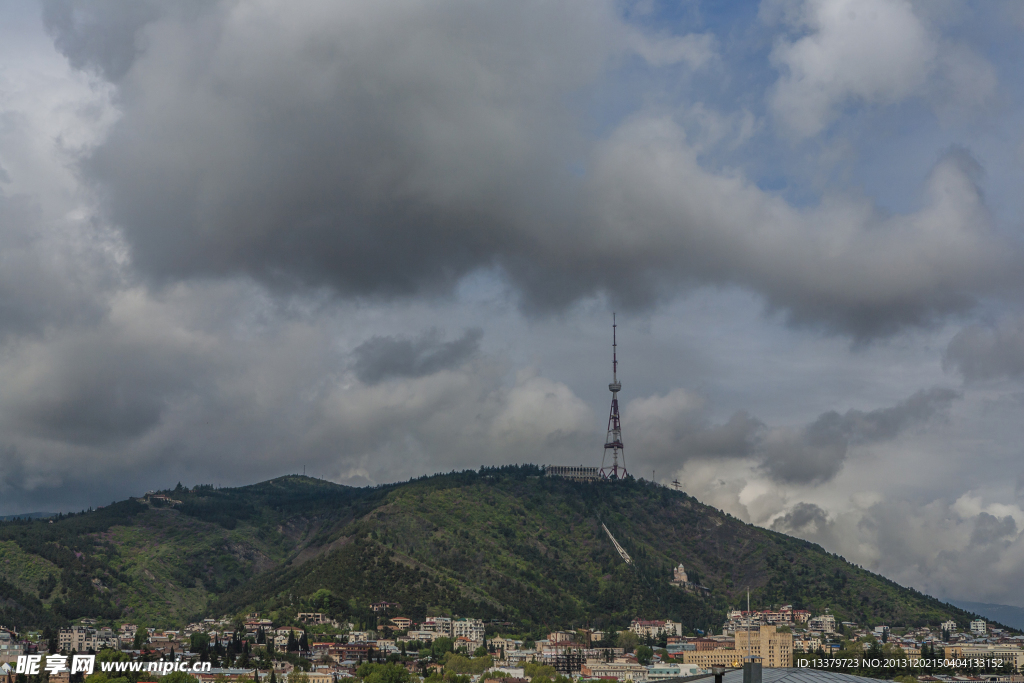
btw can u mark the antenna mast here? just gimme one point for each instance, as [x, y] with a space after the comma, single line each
[613, 442]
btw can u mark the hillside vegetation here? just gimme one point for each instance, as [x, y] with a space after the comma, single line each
[504, 544]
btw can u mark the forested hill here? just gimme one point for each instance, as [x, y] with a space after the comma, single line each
[506, 544]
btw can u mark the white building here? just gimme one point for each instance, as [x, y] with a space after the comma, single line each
[979, 627]
[439, 625]
[82, 638]
[472, 629]
[948, 626]
[659, 672]
[826, 623]
[655, 629]
[621, 671]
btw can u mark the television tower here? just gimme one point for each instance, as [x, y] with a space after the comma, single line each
[613, 441]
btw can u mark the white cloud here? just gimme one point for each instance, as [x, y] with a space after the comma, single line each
[867, 52]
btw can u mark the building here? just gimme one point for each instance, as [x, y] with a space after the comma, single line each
[1008, 653]
[826, 623]
[312, 618]
[655, 629]
[402, 622]
[473, 629]
[617, 670]
[660, 672]
[442, 626]
[807, 644]
[948, 626]
[470, 645]
[384, 606]
[82, 638]
[979, 627]
[773, 648]
[580, 473]
[355, 651]
[10, 646]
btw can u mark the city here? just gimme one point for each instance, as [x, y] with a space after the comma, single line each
[316, 649]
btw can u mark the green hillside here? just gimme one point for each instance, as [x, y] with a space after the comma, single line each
[504, 544]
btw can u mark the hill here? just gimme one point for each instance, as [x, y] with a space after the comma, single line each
[505, 544]
[1006, 614]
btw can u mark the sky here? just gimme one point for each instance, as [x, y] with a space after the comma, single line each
[374, 240]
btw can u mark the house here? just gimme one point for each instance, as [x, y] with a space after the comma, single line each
[311, 618]
[402, 623]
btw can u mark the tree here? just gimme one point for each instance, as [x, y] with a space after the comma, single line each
[179, 677]
[440, 646]
[141, 638]
[383, 673]
[304, 642]
[644, 654]
[534, 670]
[627, 640]
[199, 643]
[50, 636]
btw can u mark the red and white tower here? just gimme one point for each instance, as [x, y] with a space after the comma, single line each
[613, 442]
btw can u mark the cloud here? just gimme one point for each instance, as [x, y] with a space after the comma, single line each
[99, 34]
[47, 280]
[381, 358]
[674, 429]
[817, 452]
[212, 379]
[875, 52]
[980, 352]
[803, 517]
[387, 150]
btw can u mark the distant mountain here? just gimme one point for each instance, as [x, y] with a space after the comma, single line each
[1004, 614]
[505, 544]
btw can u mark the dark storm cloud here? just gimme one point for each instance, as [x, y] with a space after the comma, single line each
[99, 34]
[381, 358]
[817, 452]
[988, 352]
[388, 149]
[803, 517]
[674, 428]
[989, 529]
[44, 282]
[97, 387]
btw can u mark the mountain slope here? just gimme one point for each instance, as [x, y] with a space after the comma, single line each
[504, 544]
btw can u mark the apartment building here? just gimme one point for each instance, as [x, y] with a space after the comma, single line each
[773, 648]
[473, 629]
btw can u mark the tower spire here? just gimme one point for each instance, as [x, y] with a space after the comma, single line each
[613, 442]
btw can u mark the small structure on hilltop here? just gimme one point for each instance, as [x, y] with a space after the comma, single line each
[681, 580]
[579, 473]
